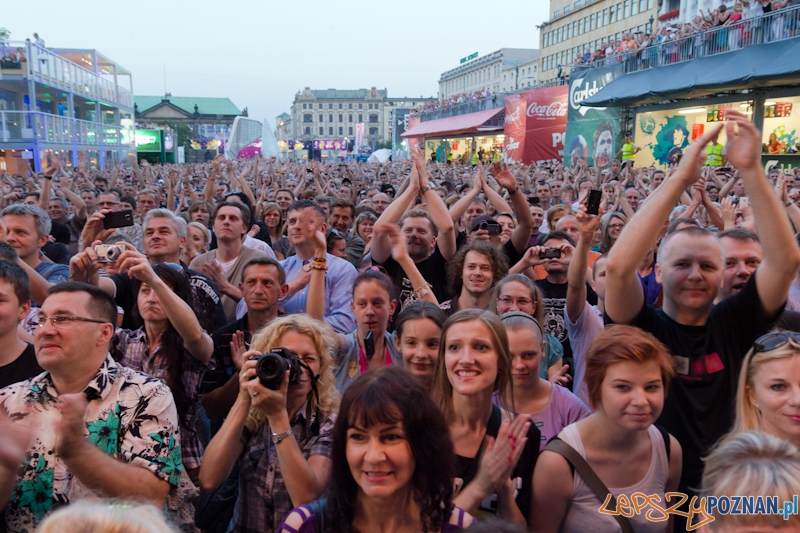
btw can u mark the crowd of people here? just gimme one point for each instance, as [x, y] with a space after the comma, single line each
[266, 346]
[676, 41]
[456, 99]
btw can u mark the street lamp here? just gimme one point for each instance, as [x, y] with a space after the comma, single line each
[650, 24]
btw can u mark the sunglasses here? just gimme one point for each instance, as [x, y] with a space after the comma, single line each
[773, 341]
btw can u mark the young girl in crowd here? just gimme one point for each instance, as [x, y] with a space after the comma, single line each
[769, 383]
[752, 464]
[627, 373]
[416, 336]
[516, 292]
[474, 363]
[370, 346]
[392, 463]
[550, 407]
[271, 215]
[282, 436]
[171, 345]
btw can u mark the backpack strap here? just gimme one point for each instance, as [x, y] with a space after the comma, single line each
[598, 487]
[665, 435]
[319, 508]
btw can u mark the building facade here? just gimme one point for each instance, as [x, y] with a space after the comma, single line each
[577, 26]
[495, 72]
[62, 103]
[399, 107]
[684, 11]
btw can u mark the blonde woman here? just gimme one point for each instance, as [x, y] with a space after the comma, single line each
[768, 396]
[282, 436]
[752, 464]
[197, 238]
[106, 516]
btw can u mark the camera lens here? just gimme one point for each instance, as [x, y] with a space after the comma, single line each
[483, 225]
[112, 253]
[270, 369]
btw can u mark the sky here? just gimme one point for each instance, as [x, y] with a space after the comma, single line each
[260, 54]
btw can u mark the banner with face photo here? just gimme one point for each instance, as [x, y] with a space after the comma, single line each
[593, 133]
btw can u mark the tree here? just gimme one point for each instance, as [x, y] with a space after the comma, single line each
[384, 144]
[5, 34]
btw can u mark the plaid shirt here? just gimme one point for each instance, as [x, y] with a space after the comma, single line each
[132, 351]
[263, 500]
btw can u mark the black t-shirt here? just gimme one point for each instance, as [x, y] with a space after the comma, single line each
[789, 320]
[205, 300]
[225, 369]
[699, 408]
[432, 269]
[22, 368]
[56, 252]
[555, 299]
[60, 232]
[521, 476]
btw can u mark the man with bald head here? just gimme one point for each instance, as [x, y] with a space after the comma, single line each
[708, 342]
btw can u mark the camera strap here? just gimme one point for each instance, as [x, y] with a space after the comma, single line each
[314, 430]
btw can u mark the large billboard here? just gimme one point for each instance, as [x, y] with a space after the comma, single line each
[534, 125]
[148, 140]
[592, 132]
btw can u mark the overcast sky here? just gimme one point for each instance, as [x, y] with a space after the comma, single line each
[260, 53]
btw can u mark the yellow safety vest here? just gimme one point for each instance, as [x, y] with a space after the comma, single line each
[496, 156]
[475, 159]
[627, 151]
[714, 155]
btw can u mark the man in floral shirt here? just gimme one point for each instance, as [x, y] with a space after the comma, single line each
[86, 425]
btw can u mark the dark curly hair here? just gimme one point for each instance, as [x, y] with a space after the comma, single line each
[455, 267]
[386, 396]
[172, 347]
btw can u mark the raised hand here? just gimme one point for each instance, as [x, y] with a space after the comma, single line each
[744, 142]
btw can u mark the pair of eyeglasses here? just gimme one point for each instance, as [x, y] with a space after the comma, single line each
[616, 226]
[773, 341]
[520, 301]
[61, 321]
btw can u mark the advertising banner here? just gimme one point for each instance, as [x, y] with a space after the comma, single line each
[592, 132]
[514, 128]
[330, 144]
[413, 120]
[359, 136]
[400, 123]
[546, 123]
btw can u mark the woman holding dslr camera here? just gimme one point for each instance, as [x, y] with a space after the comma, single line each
[283, 435]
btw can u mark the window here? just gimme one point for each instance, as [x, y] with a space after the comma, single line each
[350, 129]
[360, 117]
[649, 4]
[373, 131]
[373, 118]
[308, 130]
[619, 11]
[321, 130]
[330, 118]
[582, 25]
[308, 118]
[350, 106]
[321, 117]
[634, 7]
[340, 117]
[330, 106]
[340, 106]
[577, 4]
[556, 14]
[359, 106]
[330, 131]
[341, 130]
[350, 117]
[567, 9]
[611, 19]
[304, 106]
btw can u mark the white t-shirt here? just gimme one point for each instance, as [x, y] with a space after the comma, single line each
[226, 266]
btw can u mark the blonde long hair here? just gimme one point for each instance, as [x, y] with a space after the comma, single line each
[106, 516]
[326, 344]
[748, 417]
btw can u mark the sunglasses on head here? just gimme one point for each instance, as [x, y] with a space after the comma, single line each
[773, 341]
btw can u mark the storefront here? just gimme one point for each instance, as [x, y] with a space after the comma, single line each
[488, 147]
[461, 135]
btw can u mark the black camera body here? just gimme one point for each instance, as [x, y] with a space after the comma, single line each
[492, 227]
[270, 367]
[550, 253]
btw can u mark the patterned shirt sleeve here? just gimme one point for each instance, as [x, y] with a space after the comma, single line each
[150, 427]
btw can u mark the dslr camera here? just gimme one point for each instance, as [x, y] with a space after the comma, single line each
[108, 253]
[270, 367]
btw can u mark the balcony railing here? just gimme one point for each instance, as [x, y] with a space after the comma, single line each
[775, 26]
[51, 69]
[29, 126]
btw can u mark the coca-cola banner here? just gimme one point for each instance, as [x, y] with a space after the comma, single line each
[546, 123]
[514, 128]
[535, 124]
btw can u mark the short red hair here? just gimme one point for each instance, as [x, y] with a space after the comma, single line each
[619, 344]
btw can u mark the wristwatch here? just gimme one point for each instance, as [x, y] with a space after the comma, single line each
[278, 437]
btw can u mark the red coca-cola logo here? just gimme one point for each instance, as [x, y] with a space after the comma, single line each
[556, 109]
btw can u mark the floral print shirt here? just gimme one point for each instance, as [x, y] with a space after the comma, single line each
[130, 415]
